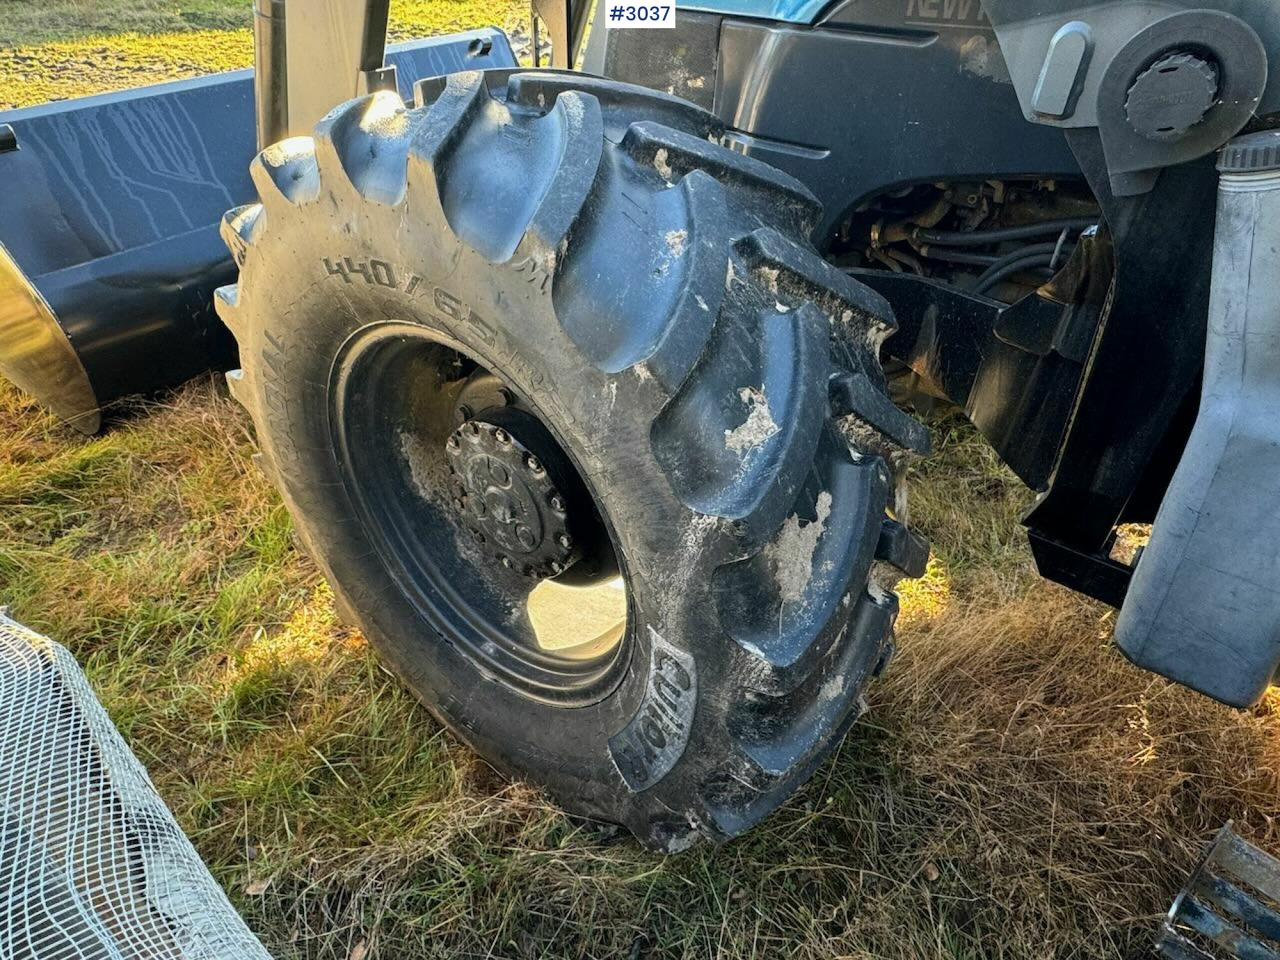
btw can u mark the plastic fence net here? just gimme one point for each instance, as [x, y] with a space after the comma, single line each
[92, 863]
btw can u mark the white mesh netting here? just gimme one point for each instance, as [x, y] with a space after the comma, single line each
[92, 863]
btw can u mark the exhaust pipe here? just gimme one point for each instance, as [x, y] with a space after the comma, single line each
[1203, 607]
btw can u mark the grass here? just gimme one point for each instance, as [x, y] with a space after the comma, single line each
[72, 48]
[1017, 790]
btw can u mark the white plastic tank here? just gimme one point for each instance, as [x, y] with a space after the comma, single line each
[1204, 603]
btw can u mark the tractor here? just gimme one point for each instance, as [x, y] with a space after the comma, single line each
[591, 387]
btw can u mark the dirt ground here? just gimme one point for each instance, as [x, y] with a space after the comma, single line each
[1017, 789]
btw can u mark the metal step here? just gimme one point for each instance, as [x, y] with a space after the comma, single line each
[1229, 906]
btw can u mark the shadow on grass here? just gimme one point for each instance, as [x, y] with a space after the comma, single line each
[1016, 790]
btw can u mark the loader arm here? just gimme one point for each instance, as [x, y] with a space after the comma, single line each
[304, 65]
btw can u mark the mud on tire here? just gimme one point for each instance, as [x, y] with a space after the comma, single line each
[713, 381]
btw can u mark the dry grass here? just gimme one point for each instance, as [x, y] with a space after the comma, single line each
[1017, 790]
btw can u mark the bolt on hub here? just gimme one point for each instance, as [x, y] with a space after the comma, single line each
[508, 494]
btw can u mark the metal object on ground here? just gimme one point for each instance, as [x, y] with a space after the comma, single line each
[1227, 906]
[36, 354]
[109, 246]
[94, 863]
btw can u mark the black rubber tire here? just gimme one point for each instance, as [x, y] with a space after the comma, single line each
[656, 295]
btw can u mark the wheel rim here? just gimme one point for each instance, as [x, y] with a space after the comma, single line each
[480, 515]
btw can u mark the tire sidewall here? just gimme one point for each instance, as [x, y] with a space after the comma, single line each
[593, 415]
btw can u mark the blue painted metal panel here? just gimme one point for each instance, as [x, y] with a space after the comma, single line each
[112, 213]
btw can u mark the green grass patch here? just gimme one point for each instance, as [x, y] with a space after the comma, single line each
[74, 48]
[29, 22]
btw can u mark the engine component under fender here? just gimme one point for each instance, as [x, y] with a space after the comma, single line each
[1204, 607]
[773, 84]
[1014, 369]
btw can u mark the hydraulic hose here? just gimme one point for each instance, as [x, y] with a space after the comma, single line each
[1034, 255]
[946, 255]
[978, 238]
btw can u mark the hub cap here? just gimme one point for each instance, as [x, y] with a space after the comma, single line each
[481, 517]
[508, 497]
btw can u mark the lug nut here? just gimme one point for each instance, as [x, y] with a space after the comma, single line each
[508, 563]
[564, 541]
[472, 428]
[452, 442]
[501, 436]
[532, 463]
[557, 503]
[557, 567]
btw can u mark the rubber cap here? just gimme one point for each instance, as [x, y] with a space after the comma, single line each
[1252, 153]
[1171, 97]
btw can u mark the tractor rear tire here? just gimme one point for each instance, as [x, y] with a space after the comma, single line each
[662, 328]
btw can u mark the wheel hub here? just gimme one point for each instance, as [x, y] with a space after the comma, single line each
[507, 494]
